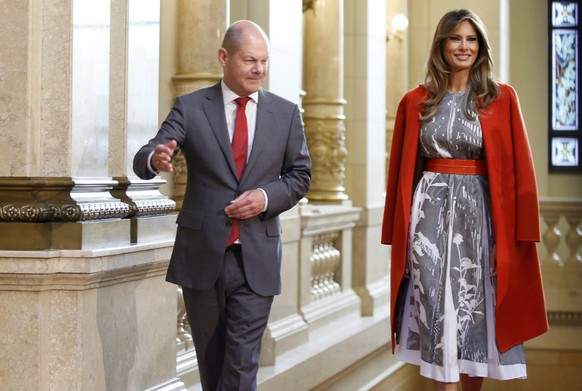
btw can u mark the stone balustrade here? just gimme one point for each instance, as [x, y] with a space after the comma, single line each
[561, 260]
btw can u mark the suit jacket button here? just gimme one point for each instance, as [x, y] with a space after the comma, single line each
[229, 223]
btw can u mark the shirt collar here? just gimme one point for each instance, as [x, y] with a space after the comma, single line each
[228, 95]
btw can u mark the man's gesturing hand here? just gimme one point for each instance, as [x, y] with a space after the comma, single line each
[162, 157]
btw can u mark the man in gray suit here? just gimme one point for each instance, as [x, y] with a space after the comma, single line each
[229, 277]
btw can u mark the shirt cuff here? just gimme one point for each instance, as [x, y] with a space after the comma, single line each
[150, 164]
[266, 200]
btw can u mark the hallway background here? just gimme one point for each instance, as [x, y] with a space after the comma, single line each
[84, 244]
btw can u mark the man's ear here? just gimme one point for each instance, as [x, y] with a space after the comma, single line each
[222, 56]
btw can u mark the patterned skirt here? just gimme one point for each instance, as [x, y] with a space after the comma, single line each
[446, 310]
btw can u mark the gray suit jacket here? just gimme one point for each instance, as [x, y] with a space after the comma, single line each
[279, 164]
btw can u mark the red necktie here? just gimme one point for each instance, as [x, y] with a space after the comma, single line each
[240, 145]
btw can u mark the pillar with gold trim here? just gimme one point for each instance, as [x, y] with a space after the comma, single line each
[324, 102]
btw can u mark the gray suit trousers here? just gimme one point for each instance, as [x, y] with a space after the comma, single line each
[227, 324]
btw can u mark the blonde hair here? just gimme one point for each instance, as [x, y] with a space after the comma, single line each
[481, 89]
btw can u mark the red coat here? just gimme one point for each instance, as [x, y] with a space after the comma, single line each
[520, 310]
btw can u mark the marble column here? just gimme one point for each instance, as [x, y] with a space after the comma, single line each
[366, 123]
[323, 66]
[54, 179]
[84, 306]
[201, 27]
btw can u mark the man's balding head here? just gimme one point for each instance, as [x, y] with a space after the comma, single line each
[241, 30]
[244, 57]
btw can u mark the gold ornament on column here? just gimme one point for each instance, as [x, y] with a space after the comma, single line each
[326, 141]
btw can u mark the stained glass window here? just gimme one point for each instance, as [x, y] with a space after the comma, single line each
[564, 130]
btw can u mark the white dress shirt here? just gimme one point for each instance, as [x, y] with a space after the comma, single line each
[230, 108]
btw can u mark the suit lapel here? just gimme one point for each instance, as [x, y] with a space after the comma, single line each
[214, 109]
[264, 122]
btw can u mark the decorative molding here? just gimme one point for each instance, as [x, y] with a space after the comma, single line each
[154, 207]
[326, 141]
[51, 199]
[565, 318]
[40, 200]
[143, 197]
[102, 210]
[31, 213]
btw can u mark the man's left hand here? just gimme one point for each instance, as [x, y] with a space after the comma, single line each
[249, 204]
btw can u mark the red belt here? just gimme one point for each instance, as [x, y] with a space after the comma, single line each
[457, 166]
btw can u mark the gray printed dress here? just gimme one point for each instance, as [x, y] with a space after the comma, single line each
[446, 322]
